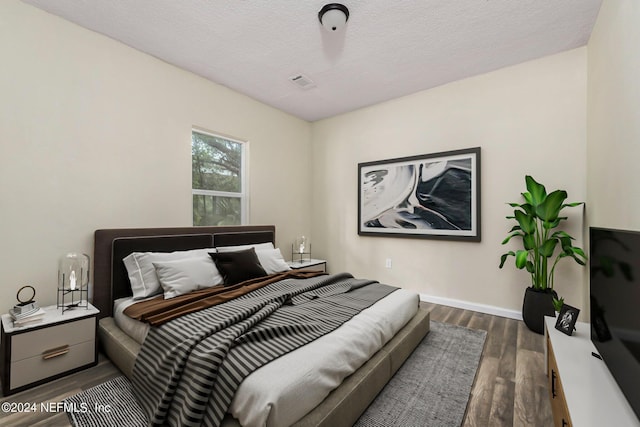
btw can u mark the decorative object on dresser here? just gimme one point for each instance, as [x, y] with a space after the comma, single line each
[57, 345]
[27, 310]
[536, 219]
[73, 281]
[301, 249]
[434, 196]
[567, 319]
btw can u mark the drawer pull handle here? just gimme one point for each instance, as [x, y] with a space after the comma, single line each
[55, 352]
[553, 384]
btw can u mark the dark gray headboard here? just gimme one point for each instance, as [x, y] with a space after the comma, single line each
[110, 280]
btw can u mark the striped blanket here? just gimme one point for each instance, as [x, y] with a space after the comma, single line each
[189, 368]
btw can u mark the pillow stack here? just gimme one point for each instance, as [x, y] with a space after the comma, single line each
[180, 272]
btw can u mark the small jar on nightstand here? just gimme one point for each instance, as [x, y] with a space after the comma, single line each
[309, 265]
[57, 345]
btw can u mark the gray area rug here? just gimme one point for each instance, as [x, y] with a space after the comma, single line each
[431, 388]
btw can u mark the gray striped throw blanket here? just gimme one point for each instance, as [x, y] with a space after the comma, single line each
[189, 368]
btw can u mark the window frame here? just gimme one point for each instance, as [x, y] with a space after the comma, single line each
[244, 179]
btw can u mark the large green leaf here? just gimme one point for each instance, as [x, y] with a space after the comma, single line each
[572, 205]
[536, 191]
[504, 257]
[529, 241]
[530, 267]
[578, 255]
[551, 225]
[527, 222]
[560, 234]
[530, 210]
[505, 241]
[521, 259]
[549, 209]
[579, 252]
[547, 248]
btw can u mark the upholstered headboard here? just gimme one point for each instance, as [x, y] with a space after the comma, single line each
[110, 280]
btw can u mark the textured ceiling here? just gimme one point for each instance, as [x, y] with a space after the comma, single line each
[387, 49]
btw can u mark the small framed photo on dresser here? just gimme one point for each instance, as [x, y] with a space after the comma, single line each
[567, 319]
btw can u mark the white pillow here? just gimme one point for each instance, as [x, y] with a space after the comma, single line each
[182, 276]
[257, 247]
[272, 260]
[142, 273]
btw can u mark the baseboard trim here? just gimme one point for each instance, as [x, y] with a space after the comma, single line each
[466, 305]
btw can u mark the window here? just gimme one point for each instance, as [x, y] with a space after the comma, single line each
[218, 179]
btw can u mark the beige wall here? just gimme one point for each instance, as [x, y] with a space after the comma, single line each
[614, 117]
[94, 134]
[81, 114]
[528, 119]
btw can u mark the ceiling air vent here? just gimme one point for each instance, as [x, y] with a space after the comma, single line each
[302, 81]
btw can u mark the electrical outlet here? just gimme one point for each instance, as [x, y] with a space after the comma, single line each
[388, 263]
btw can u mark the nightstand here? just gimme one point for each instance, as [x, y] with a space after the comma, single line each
[309, 265]
[58, 345]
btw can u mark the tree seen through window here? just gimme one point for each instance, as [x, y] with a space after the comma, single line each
[216, 176]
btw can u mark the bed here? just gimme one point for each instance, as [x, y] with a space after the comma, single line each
[341, 407]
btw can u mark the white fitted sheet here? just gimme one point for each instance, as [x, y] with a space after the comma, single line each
[134, 328]
[283, 391]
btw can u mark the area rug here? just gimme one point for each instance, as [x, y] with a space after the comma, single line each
[432, 388]
[110, 404]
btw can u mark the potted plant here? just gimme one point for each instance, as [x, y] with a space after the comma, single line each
[543, 246]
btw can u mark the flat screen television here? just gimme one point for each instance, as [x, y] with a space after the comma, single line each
[614, 262]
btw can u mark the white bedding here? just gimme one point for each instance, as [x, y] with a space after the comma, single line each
[134, 328]
[283, 391]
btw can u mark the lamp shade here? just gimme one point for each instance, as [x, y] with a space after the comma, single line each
[73, 271]
[333, 16]
[73, 281]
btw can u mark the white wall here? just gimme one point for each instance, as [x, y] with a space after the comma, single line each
[528, 119]
[614, 117]
[94, 134]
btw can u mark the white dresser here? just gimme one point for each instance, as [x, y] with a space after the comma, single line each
[582, 391]
[58, 345]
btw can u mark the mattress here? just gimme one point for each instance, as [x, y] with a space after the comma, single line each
[134, 328]
[283, 391]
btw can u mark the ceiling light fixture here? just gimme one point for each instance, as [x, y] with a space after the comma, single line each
[333, 16]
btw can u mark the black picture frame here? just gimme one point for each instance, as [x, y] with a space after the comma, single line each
[567, 319]
[429, 196]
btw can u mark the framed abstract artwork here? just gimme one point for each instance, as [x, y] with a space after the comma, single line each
[435, 196]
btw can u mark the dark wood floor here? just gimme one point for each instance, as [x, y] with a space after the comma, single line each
[511, 385]
[509, 390]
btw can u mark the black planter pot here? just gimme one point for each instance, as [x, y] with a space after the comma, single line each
[536, 305]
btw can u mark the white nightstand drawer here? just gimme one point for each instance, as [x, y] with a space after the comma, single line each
[60, 343]
[36, 368]
[35, 343]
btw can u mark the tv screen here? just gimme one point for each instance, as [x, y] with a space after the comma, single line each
[614, 262]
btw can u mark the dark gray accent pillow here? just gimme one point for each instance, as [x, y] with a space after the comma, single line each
[236, 267]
